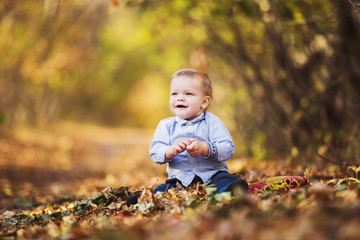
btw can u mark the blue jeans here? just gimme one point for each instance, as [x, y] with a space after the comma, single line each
[222, 180]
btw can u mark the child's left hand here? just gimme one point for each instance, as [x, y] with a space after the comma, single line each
[197, 148]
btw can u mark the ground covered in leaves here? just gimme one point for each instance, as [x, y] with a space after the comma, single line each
[71, 182]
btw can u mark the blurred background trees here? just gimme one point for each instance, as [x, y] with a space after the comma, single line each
[286, 73]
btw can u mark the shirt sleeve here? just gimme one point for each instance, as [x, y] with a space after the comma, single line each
[159, 144]
[221, 145]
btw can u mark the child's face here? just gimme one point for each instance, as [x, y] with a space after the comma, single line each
[187, 98]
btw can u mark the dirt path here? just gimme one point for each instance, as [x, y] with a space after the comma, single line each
[71, 161]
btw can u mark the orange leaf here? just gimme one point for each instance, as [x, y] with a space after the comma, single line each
[115, 3]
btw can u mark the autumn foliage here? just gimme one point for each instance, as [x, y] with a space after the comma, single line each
[67, 198]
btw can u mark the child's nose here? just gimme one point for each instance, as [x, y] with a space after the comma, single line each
[180, 97]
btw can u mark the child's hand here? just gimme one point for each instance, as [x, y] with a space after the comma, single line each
[178, 147]
[197, 148]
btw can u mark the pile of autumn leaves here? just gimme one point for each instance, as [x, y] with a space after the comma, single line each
[319, 210]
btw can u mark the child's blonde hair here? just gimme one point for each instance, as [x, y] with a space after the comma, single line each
[192, 73]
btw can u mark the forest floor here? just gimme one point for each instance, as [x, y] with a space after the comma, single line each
[71, 182]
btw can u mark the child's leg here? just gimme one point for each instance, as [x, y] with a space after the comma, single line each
[170, 183]
[225, 181]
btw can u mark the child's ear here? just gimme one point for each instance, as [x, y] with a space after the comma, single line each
[206, 102]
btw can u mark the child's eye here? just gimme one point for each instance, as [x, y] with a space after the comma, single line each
[189, 94]
[173, 94]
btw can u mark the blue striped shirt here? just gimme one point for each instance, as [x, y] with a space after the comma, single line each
[208, 128]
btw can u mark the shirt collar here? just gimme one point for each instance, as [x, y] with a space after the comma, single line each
[183, 121]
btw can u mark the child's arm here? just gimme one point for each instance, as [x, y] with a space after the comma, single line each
[160, 143]
[220, 144]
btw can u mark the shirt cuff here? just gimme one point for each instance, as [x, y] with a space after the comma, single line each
[212, 151]
[167, 160]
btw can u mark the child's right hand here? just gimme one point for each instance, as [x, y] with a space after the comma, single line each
[178, 147]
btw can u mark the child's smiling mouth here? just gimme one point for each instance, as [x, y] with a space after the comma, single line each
[181, 106]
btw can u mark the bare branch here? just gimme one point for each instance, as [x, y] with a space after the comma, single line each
[354, 5]
[342, 164]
